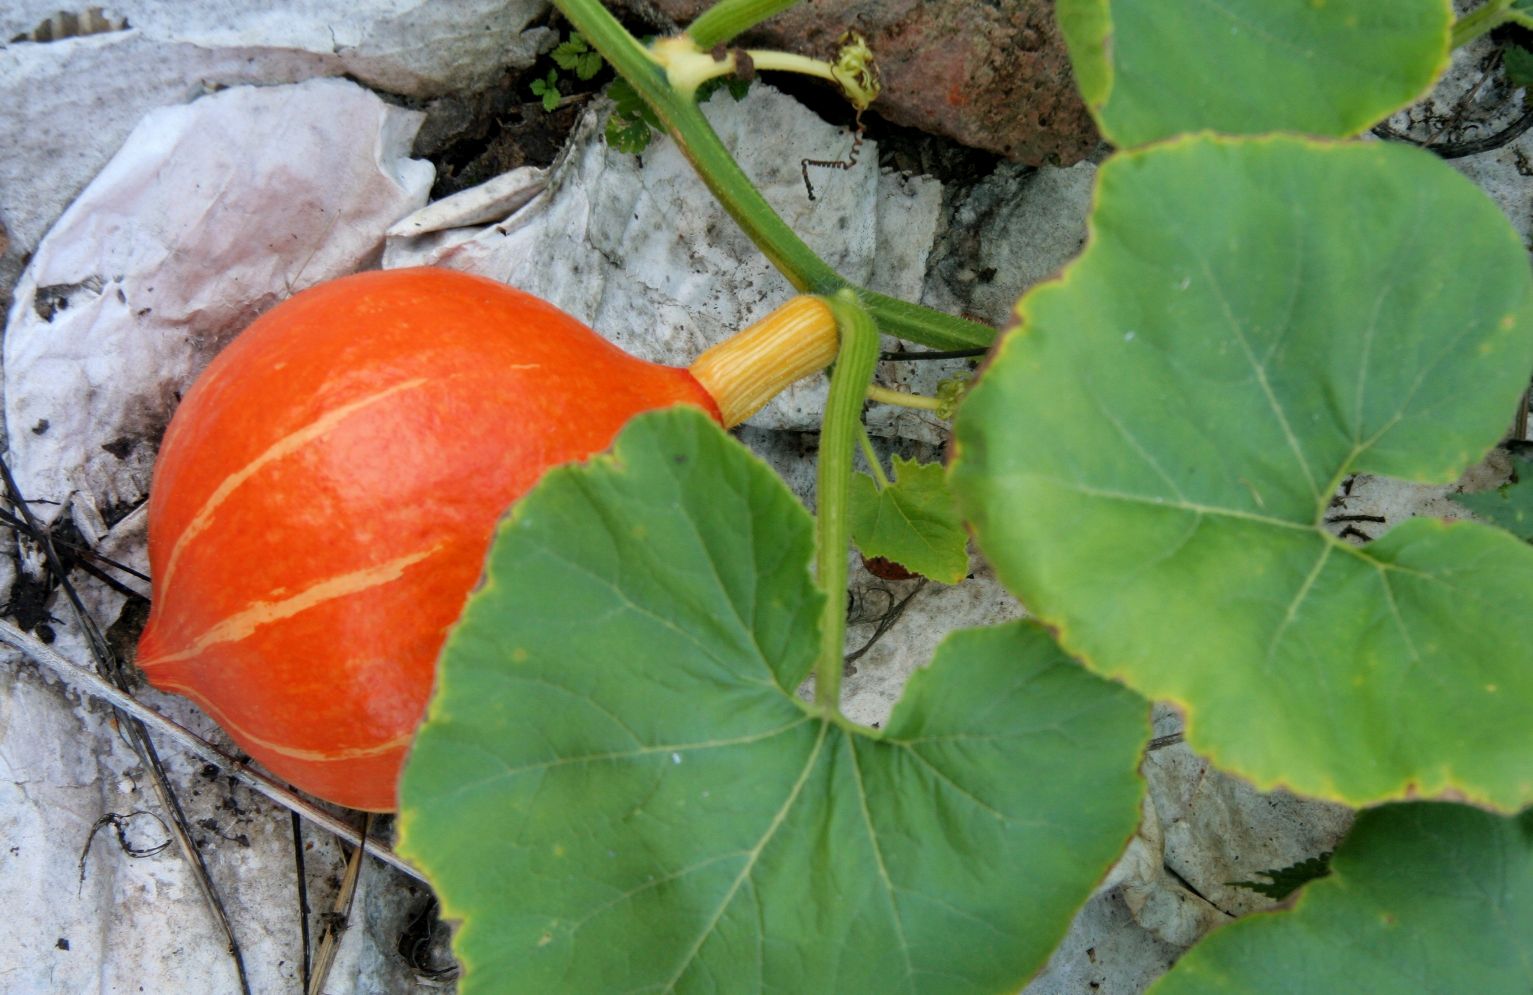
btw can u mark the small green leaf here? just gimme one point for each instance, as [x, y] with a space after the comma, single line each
[1425, 898]
[1509, 506]
[1149, 69]
[576, 55]
[1518, 63]
[1148, 462]
[1284, 881]
[627, 135]
[630, 125]
[737, 88]
[617, 789]
[1521, 12]
[913, 522]
[627, 103]
[548, 90]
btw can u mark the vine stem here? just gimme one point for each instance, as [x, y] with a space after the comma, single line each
[1479, 21]
[685, 123]
[728, 18]
[903, 399]
[855, 361]
[700, 68]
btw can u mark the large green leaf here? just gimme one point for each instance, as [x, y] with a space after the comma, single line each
[1149, 69]
[1148, 461]
[1426, 898]
[617, 789]
[1509, 506]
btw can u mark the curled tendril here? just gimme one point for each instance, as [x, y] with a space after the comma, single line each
[855, 70]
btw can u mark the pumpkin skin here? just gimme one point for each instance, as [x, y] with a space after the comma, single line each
[327, 491]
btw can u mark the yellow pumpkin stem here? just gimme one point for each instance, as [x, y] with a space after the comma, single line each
[747, 370]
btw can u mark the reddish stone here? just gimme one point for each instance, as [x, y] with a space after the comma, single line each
[992, 74]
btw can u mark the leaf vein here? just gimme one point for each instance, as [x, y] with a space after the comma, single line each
[943, 776]
[1161, 502]
[754, 854]
[615, 755]
[878, 859]
[1260, 372]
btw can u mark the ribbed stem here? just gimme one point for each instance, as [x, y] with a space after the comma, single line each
[838, 438]
[747, 370]
[727, 18]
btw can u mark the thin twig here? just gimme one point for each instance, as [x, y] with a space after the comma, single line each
[885, 622]
[119, 823]
[6, 518]
[112, 673]
[86, 682]
[1461, 105]
[1475, 146]
[303, 900]
[1460, 150]
[339, 917]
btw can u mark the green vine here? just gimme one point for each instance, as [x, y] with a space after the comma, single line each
[854, 72]
[1486, 18]
[681, 118]
[728, 18]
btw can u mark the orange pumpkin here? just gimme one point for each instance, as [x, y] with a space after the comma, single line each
[327, 491]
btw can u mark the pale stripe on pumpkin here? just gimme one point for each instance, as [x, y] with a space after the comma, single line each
[245, 621]
[286, 446]
[244, 736]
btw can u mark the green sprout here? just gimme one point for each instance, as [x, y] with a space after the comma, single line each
[548, 90]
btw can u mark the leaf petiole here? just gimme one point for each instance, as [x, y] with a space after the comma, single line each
[869, 454]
